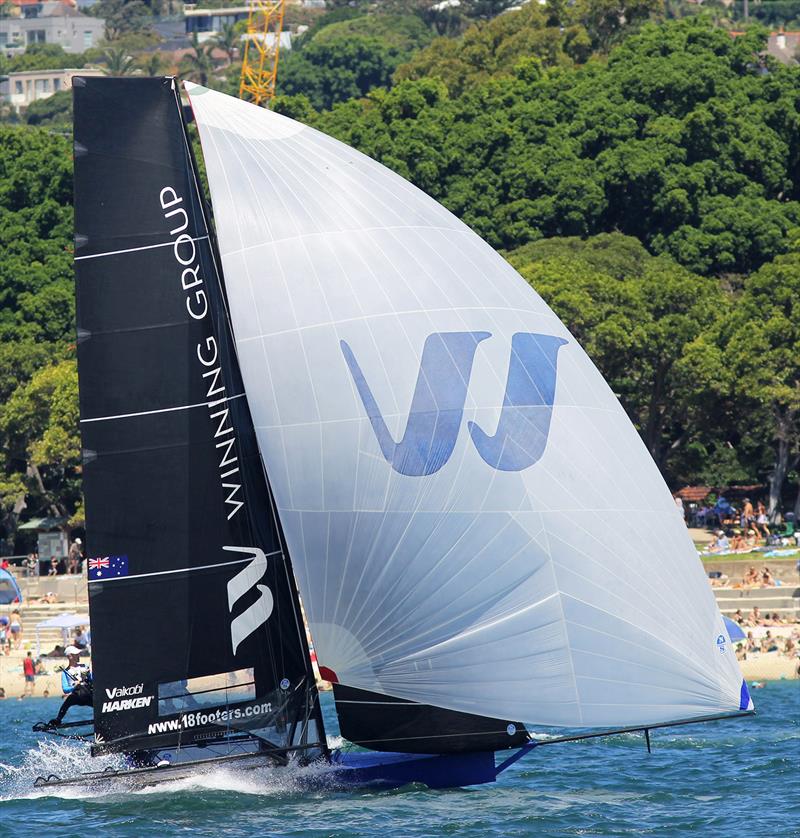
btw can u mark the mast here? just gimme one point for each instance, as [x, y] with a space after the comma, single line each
[195, 621]
[315, 709]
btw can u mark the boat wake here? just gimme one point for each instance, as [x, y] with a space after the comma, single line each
[66, 760]
[62, 759]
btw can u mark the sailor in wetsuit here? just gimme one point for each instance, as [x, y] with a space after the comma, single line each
[76, 684]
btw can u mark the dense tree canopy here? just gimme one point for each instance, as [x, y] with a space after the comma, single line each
[37, 314]
[349, 58]
[678, 139]
[643, 178]
[635, 314]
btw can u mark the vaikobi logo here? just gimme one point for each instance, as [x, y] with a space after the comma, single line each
[123, 692]
[126, 698]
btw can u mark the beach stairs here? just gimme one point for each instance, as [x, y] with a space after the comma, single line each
[784, 599]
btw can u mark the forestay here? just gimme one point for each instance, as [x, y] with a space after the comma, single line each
[474, 521]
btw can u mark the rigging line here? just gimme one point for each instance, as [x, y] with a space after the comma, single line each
[132, 249]
[216, 262]
[642, 727]
[180, 569]
[163, 410]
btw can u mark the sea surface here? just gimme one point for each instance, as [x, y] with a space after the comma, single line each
[732, 778]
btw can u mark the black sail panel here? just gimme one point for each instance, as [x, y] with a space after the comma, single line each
[195, 622]
[387, 723]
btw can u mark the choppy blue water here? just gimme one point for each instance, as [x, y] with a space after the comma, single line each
[723, 779]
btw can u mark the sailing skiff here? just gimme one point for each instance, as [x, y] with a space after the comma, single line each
[338, 388]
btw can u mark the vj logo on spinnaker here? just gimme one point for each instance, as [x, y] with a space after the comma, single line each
[438, 404]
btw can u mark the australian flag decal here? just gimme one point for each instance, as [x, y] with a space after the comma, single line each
[108, 567]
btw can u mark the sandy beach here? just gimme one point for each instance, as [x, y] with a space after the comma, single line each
[765, 666]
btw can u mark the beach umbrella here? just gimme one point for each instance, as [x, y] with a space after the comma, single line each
[734, 630]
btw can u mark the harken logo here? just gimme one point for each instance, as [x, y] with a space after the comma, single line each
[437, 406]
[126, 698]
[253, 617]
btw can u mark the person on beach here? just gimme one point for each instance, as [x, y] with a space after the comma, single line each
[74, 557]
[29, 671]
[754, 617]
[15, 627]
[748, 516]
[769, 643]
[761, 519]
[76, 684]
[4, 635]
[737, 542]
[720, 544]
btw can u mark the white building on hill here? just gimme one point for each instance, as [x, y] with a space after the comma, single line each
[20, 89]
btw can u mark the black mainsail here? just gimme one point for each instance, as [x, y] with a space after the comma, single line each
[197, 632]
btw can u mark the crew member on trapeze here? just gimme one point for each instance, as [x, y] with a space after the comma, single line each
[76, 684]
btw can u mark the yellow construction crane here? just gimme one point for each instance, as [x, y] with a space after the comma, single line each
[261, 48]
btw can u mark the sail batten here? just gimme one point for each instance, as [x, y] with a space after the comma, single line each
[475, 523]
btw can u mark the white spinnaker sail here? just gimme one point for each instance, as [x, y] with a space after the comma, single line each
[457, 540]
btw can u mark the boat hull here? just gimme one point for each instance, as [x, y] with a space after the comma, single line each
[392, 770]
[352, 770]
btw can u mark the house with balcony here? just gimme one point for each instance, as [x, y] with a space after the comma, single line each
[48, 22]
[20, 89]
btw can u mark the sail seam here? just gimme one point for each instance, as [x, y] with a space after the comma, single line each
[163, 409]
[184, 569]
[169, 243]
[348, 231]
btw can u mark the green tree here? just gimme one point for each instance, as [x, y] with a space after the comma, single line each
[678, 139]
[337, 69]
[635, 315]
[229, 40]
[39, 422]
[759, 345]
[44, 57]
[124, 17]
[488, 50]
[54, 111]
[199, 65]
[118, 62]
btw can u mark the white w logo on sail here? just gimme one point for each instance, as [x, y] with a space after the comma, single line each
[258, 613]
